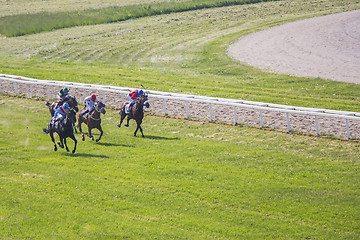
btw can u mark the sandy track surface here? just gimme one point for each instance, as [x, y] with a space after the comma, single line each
[327, 47]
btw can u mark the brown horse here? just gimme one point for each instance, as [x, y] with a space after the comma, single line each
[64, 129]
[137, 113]
[93, 120]
[70, 100]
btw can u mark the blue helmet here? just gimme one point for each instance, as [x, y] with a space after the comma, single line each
[65, 105]
[141, 92]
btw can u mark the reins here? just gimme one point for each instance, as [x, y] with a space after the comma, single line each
[96, 119]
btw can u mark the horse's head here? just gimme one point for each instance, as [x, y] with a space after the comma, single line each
[71, 116]
[73, 104]
[100, 107]
[143, 100]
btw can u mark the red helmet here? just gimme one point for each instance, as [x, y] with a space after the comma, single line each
[93, 97]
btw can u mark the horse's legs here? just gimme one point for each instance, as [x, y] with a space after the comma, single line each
[121, 119]
[89, 134]
[79, 126]
[75, 141]
[127, 121]
[52, 138]
[141, 131]
[138, 123]
[101, 133]
[61, 144]
[67, 149]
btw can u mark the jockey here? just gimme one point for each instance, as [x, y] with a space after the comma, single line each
[132, 96]
[60, 114]
[63, 96]
[89, 103]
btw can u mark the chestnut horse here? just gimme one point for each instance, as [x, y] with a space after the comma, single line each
[92, 120]
[64, 130]
[137, 113]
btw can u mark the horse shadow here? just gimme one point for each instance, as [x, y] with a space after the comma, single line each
[161, 138]
[114, 144]
[86, 155]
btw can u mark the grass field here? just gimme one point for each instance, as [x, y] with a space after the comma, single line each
[184, 180]
[149, 52]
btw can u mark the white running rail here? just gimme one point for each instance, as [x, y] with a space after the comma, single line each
[193, 98]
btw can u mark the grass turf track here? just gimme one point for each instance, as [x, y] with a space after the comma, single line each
[183, 180]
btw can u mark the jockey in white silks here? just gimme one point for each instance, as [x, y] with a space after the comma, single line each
[89, 103]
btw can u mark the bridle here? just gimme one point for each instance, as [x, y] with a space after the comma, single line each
[99, 111]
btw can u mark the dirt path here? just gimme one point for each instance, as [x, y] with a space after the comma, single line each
[326, 47]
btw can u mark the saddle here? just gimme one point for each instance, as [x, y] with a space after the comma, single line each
[57, 124]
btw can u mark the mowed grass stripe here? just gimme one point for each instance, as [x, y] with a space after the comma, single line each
[184, 180]
[24, 24]
[182, 52]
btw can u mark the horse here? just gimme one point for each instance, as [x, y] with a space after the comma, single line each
[70, 100]
[137, 113]
[93, 120]
[64, 130]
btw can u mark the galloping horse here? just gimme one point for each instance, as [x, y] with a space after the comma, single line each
[71, 101]
[64, 130]
[92, 120]
[137, 112]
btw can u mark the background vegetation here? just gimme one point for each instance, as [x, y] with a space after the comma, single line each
[185, 180]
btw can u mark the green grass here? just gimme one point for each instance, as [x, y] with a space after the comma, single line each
[184, 180]
[148, 51]
[23, 24]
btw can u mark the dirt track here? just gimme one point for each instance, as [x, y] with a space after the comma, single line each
[326, 47]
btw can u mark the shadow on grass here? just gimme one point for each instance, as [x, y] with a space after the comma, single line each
[87, 155]
[113, 144]
[161, 138]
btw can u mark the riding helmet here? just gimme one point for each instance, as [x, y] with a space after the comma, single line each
[93, 97]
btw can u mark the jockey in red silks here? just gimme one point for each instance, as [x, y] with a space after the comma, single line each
[132, 96]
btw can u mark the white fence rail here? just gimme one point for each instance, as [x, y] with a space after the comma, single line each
[164, 96]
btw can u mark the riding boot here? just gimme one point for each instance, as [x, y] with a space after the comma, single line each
[84, 114]
[130, 107]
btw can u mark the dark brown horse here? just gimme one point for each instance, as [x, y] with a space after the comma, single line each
[64, 129]
[70, 100]
[92, 120]
[136, 113]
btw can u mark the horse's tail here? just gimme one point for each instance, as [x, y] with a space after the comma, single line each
[48, 104]
[46, 131]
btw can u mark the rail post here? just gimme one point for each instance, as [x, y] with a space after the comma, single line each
[164, 106]
[211, 112]
[15, 88]
[317, 125]
[104, 99]
[48, 92]
[288, 121]
[235, 115]
[347, 129]
[187, 109]
[261, 119]
[31, 91]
